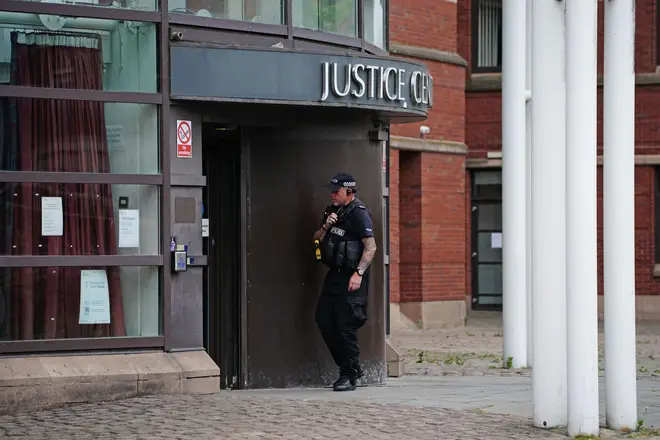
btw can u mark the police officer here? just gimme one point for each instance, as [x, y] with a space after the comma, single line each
[347, 247]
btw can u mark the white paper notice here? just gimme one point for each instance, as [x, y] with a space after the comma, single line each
[94, 297]
[129, 228]
[205, 227]
[52, 222]
[496, 240]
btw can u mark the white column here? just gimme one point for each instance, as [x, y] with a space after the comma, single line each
[514, 248]
[528, 167]
[619, 213]
[549, 214]
[581, 225]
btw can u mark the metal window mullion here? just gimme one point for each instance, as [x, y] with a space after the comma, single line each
[360, 22]
[80, 260]
[34, 346]
[80, 178]
[165, 157]
[80, 95]
[288, 14]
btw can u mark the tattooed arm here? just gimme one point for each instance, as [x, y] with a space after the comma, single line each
[368, 253]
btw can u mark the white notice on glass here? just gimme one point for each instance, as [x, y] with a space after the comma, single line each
[94, 297]
[205, 227]
[496, 240]
[129, 228]
[51, 216]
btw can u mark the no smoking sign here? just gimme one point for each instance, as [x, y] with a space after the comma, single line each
[183, 139]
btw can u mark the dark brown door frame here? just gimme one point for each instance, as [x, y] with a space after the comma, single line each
[476, 202]
[224, 285]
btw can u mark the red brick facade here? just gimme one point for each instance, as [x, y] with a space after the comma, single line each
[430, 200]
[428, 204]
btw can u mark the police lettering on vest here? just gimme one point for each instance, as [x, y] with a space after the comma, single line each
[341, 246]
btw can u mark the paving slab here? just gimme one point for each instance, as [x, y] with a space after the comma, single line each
[404, 408]
[240, 415]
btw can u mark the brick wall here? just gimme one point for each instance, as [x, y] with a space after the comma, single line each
[484, 121]
[427, 189]
[645, 283]
[430, 233]
[483, 134]
[446, 118]
[410, 225]
[443, 226]
[394, 227]
[424, 23]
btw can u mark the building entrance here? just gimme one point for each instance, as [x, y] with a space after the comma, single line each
[221, 240]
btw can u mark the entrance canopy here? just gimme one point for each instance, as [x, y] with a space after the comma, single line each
[397, 90]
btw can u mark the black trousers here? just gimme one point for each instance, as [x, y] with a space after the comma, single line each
[339, 315]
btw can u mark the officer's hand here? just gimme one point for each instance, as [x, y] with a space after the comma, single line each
[354, 283]
[332, 219]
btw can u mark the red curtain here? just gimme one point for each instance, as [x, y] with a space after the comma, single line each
[64, 136]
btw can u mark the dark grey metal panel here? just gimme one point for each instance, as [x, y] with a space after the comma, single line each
[229, 38]
[288, 168]
[186, 300]
[296, 77]
[186, 287]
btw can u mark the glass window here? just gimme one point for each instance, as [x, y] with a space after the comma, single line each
[79, 219]
[487, 184]
[75, 302]
[259, 11]
[77, 53]
[374, 22]
[78, 136]
[490, 279]
[333, 16]
[487, 253]
[142, 5]
[488, 35]
[490, 217]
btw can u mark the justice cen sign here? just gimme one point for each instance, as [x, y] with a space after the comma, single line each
[391, 85]
[377, 82]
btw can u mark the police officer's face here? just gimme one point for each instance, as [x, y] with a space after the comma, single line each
[339, 197]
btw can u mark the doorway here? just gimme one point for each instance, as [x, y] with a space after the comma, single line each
[487, 240]
[221, 240]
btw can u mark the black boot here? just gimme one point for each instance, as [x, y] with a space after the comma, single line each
[344, 383]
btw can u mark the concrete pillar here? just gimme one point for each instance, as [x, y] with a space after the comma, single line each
[619, 213]
[549, 214]
[514, 248]
[528, 173]
[581, 225]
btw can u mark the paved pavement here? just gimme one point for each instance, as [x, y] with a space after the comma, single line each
[476, 350]
[405, 408]
[455, 389]
[369, 413]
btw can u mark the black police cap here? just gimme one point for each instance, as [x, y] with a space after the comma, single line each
[341, 180]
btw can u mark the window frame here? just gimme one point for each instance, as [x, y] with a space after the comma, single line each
[286, 29]
[162, 180]
[474, 43]
[162, 19]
